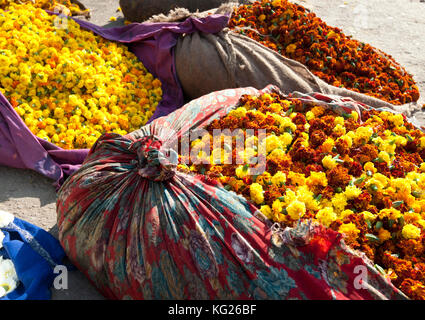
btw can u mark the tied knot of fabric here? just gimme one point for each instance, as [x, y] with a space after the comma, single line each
[154, 162]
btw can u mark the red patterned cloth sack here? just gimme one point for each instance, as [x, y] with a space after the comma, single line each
[140, 229]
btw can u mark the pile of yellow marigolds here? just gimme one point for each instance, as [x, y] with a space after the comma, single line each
[365, 180]
[331, 55]
[53, 5]
[69, 85]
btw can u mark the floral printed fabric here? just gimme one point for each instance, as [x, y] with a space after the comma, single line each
[137, 236]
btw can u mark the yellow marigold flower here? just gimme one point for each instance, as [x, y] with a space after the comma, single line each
[363, 134]
[286, 122]
[352, 192]
[351, 134]
[384, 156]
[369, 216]
[326, 216]
[369, 166]
[410, 231]
[339, 121]
[242, 172]
[266, 96]
[264, 178]
[297, 178]
[262, 17]
[307, 197]
[239, 112]
[286, 139]
[381, 178]
[317, 179]
[277, 155]
[402, 186]
[328, 145]
[339, 130]
[422, 142]
[279, 179]
[277, 207]
[275, 107]
[339, 201]
[374, 184]
[345, 213]
[396, 119]
[309, 115]
[112, 19]
[136, 121]
[59, 113]
[256, 193]
[296, 210]
[383, 234]
[349, 230]
[400, 141]
[267, 211]
[355, 115]
[276, 3]
[272, 142]
[329, 162]
[391, 213]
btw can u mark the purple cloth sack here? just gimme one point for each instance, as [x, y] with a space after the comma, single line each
[153, 44]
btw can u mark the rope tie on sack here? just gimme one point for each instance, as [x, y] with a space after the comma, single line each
[153, 161]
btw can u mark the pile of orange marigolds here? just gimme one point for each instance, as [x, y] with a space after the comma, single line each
[332, 56]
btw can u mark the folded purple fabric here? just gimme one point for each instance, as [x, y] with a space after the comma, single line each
[153, 44]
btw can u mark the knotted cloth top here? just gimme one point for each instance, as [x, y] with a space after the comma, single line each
[154, 162]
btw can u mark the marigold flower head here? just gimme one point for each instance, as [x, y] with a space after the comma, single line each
[267, 211]
[326, 216]
[329, 162]
[296, 210]
[384, 235]
[279, 178]
[410, 231]
[239, 112]
[256, 192]
[317, 179]
[328, 145]
[349, 230]
[352, 192]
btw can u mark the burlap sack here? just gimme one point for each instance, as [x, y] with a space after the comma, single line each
[143, 10]
[207, 63]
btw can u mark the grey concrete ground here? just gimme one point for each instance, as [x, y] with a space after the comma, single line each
[395, 26]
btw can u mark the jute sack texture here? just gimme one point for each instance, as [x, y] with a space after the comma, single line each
[142, 10]
[211, 62]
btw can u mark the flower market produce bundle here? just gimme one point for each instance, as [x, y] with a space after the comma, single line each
[56, 56]
[362, 176]
[331, 55]
[28, 257]
[233, 60]
[69, 85]
[139, 226]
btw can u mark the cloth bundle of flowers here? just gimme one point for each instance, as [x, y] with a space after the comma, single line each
[69, 85]
[8, 277]
[331, 55]
[357, 172]
[68, 7]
